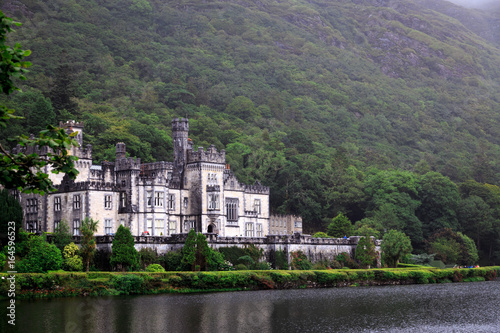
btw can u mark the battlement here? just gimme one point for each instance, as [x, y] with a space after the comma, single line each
[84, 186]
[180, 125]
[257, 188]
[151, 170]
[128, 164]
[210, 156]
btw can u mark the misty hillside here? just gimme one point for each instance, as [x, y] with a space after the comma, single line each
[304, 95]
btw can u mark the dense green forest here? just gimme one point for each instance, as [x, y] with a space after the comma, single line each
[386, 111]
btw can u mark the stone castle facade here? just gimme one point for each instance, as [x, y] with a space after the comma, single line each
[197, 190]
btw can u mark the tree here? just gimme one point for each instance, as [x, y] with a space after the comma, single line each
[189, 252]
[72, 259]
[24, 171]
[395, 245]
[10, 210]
[340, 227]
[439, 199]
[89, 226]
[123, 252]
[453, 247]
[41, 257]
[365, 251]
[62, 235]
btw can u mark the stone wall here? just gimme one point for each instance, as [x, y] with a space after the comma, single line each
[316, 249]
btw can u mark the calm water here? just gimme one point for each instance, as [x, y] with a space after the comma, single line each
[460, 307]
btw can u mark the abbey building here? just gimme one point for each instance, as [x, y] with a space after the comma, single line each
[197, 190]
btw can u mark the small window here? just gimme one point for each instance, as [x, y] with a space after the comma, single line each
[159, 199]
[57, 204]
[150, 226]
[76, 228]
[149, 198]
[108, 226]
[122, 222]
[107, 201]
[256, 206]
[77, 203]
[249, 231]
[171, 202]
[186, 201]
[159, 225]
[259, 230]
[56, 225]
[123, 199]
[213, 201]
[171, 227]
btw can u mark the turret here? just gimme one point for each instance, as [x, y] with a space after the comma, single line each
[180, 129]
[120, 151]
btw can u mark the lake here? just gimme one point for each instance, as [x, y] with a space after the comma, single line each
[453, 307]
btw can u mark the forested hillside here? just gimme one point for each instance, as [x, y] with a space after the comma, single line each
[313, 98]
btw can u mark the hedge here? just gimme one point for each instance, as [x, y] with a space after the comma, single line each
[57, 284]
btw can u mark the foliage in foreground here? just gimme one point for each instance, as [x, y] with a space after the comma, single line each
[32, 285]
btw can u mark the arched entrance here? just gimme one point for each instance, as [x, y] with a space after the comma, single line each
[211, 228]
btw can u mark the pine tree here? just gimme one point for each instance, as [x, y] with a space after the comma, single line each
[189, 252]
[123, 252]
[87, 249]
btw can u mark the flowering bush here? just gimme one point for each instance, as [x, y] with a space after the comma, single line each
[300, 261]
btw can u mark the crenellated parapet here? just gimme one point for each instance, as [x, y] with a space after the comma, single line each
[211, 155]
[257, 188]
[153, 170]
[84, 186]
[128, 164]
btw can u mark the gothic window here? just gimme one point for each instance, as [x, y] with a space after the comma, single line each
[149, 198]
[249, 231]
[259, 229]
[76, 227]
[57, 204]
[159, 224]
[186, 201]
[232, 209]
[56, 225]
[107, 201]
[158, 199]
[213, 201]
[108, 226]
[256, 206]
[77, 203]
[123, 199]
[171, 202]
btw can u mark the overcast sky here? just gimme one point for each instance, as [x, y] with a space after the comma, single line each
[472, 3]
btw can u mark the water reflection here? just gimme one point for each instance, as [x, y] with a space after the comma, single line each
[470, 307]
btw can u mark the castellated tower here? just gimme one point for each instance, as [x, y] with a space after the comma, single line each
[180, 129]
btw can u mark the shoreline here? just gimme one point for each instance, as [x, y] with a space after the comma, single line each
[71, 284]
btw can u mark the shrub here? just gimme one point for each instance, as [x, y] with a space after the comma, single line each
[247, 261]
[72, 260]
[280, 260]
[240, 267]
[155, 268]
[127, 283]
[147, 256]
[62, 235]
[41, 257]
[300, 261]
[171, 260]
[321, 234]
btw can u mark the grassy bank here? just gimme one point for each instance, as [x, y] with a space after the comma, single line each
[34, 285]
